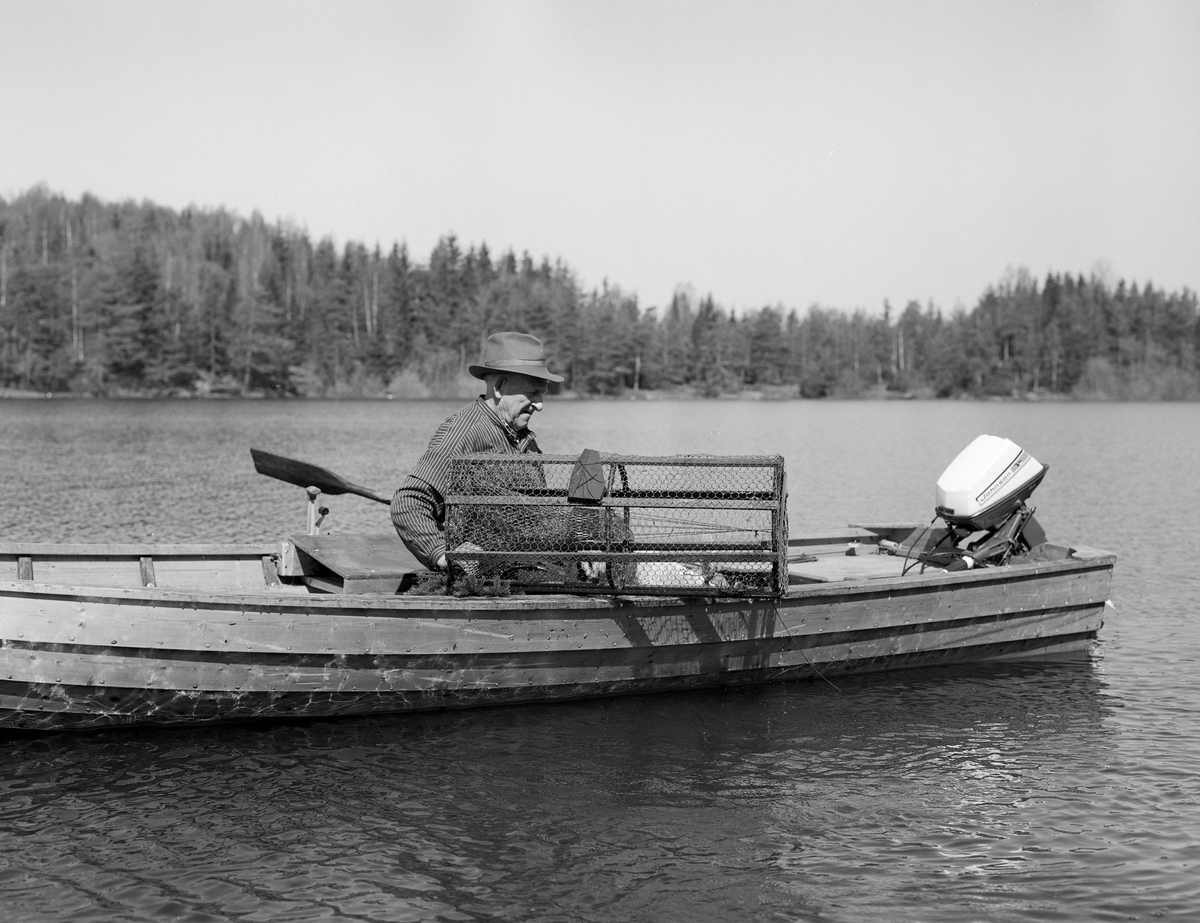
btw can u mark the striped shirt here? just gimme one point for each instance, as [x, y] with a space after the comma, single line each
[419, 506]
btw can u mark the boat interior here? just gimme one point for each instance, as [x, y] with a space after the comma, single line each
[380, 563]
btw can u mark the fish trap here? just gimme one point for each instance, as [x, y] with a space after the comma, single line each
[620, 524]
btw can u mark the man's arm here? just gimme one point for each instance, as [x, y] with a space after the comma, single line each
[419, 507]
[418, 513]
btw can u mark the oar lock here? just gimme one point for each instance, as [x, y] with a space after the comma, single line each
[316, 514]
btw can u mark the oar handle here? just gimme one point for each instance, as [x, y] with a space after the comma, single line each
[368, 493]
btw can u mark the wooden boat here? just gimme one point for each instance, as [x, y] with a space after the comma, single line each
[96, 636]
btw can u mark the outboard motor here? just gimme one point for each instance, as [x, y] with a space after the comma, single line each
[987, 483]
[981, 497]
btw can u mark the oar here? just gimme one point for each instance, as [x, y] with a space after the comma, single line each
[303, 474]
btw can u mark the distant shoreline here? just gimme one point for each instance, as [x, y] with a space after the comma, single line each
[127, 300]
[681, 394]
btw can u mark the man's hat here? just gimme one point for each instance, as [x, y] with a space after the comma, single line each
[513, 352]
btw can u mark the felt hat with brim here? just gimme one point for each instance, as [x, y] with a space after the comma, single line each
[513, 352]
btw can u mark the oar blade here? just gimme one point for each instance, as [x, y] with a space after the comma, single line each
[302, 474]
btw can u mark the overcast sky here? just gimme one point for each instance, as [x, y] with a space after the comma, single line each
[769, 153]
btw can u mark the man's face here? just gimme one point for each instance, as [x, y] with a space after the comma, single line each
[520, 398]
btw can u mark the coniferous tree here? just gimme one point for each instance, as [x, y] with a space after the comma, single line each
[132, 298]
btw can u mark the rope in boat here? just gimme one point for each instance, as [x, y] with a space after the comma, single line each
[816, 669]
[906, 567]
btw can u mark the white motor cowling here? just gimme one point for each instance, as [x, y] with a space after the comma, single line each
[988, 480]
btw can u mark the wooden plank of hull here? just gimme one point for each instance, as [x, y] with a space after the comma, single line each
[1085, 559]
[81, 665]
[60, 706]
[239, 624]
[97, 656]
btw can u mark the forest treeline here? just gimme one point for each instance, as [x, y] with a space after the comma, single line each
[133, 298]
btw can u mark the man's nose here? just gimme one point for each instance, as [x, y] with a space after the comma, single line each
[536, 405]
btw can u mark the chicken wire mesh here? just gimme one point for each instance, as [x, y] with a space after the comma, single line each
[620, 524]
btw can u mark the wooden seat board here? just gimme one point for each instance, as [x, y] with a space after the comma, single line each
[359, 557]
[848, 567]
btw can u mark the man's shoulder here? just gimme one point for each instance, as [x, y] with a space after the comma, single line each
[461, 424]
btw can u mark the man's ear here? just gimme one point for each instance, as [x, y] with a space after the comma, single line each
[498, 387]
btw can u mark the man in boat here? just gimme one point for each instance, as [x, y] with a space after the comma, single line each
[513, 366]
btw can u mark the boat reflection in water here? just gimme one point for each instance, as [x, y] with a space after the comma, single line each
[969, 784]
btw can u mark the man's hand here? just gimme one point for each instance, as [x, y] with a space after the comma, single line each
[468, 568]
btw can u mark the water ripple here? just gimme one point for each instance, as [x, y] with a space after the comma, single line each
[1009, 793]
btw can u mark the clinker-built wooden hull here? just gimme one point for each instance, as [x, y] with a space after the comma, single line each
[103, 636]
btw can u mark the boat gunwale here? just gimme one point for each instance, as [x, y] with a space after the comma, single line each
[1082, 560]
[138, 549]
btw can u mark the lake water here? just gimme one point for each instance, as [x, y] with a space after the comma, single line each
[1054, 792]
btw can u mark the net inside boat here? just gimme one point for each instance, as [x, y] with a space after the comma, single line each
[620, 524]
